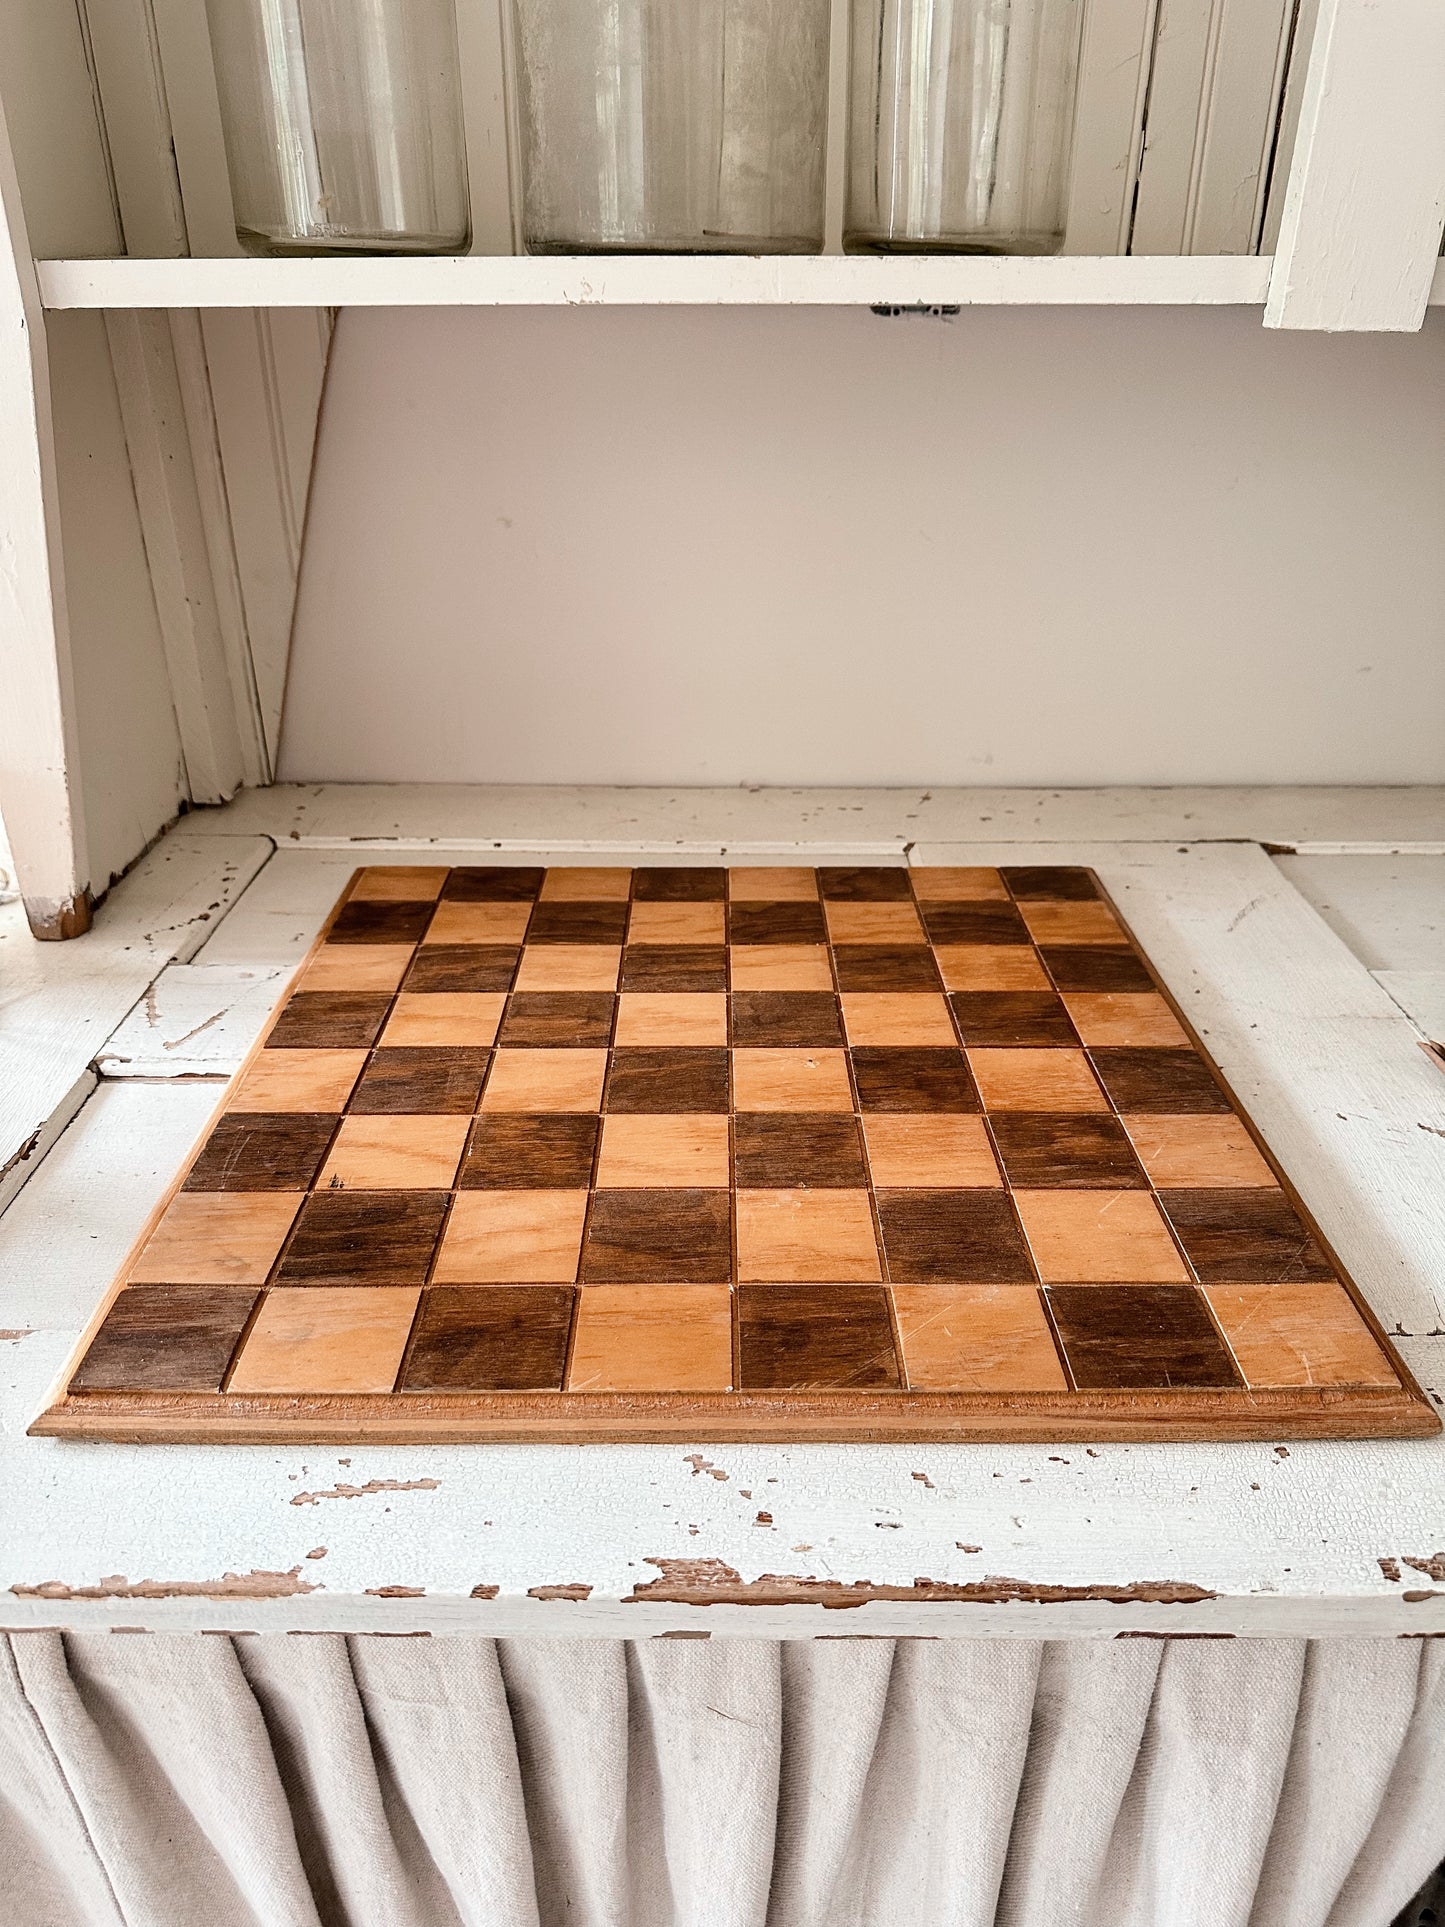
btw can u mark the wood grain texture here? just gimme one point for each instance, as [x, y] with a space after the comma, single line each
[687, 1190]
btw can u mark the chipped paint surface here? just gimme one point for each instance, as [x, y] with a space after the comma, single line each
[1015, 1540]
[362, 1491]
[708, 1582]
[231, 1585]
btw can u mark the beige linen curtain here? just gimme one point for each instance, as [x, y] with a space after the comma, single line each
[295, 1781]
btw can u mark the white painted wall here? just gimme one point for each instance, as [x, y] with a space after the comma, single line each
[1024, 546]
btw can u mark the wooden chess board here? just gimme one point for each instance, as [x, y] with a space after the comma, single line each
[613, 1154]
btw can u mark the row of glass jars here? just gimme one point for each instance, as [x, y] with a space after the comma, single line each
[654, 125]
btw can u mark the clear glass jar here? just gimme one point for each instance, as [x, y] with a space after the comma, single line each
[677, 125]
[961, 121]
[343, 125]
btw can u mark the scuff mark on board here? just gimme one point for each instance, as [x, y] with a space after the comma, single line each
[361, 1491]
[1391, 1569]
[709, 1582]
[14, 1337]
[231, 1585]
[396, 1592]
[700, 1464]
[1433, 1565]
[484, 1592]
[576, 1591]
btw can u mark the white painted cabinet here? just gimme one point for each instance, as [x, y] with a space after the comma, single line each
[159, 391]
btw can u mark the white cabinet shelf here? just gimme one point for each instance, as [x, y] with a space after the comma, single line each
[645, 280]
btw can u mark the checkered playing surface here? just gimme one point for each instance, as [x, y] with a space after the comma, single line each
[701, 1132]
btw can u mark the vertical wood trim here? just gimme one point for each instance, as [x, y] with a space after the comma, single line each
[1213, 107]
[482, 69]
[137, 121]
[188, 73]
[267, 370]
[172, 525]
[1114, 72]
[1364, 208]
[1301, 41]
[39, 767]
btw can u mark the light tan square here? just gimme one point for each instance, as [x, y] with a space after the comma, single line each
[675, 923]
[977, 966]
[764, 884]
[574, 884]
[1036, 1080]
[569, 966]
[653, 1338]
[298, 1080]
[399, 883]
[217, 1238]
[545, 1080]
[791, 1080]
[806, 1237]
[1099, 1237]
[873, 923]
[1298, 1334]
[1132, 1017]
[897, 1017]
[680, 1152]
[512, 1238]
[445, 1017]
[976, 1338]
[327, 1338]
[941, 884]
[478, 923]
[1197, 1152]
[395, 1153]
[672, 1017]
[929, 1151]
[780, 966]
[356, 966]
[1091, 922]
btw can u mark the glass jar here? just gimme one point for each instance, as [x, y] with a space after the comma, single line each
[676, 125]
[343, 125]
[961, 124]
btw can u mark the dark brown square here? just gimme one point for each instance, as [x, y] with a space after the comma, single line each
[463, 966]
[904, 1078]
[658, 1237]
[329, 1020]
[492, 883]
[1012, 1019]
[692, 885]
[873, 883]
[880, 966]
[989, 923]
[443, 1078]
[1050, 883]
[511, 1152]
[363, 1238]
[1095, 966]
[952, 1237]
[803, 1018]
[797, 1151]
[559, 1019]
[577, 923]
[1245, 1237]
[365, 922]
[1170, 1083]
[261, 1151]
[1070, 1150]
[675, 966]
[800, 1338]
[165, 1338]
[1139, 1337]
[490, 1338]
[775, 923]
[673, 1081]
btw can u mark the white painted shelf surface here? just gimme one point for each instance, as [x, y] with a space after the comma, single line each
[441, 281]
[644, 280]
[1033, 1540]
